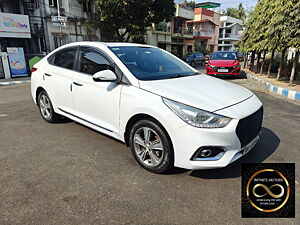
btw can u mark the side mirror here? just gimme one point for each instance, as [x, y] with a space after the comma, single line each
[105, 76]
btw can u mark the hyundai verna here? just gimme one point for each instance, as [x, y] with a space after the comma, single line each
[168, 113]
[223, 63]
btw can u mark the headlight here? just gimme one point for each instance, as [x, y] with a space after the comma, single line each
[197, 117]
[238, 65]
[211, 66]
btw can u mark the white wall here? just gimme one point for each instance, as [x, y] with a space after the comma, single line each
[230, 19]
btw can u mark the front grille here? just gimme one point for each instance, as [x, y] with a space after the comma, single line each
[249, 127]
[229, 68]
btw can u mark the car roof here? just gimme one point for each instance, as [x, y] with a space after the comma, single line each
[224, 52]
[106, 44]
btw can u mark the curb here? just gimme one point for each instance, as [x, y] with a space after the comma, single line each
[13, 82]
[293, 95]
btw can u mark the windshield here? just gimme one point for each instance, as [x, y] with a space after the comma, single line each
[199, 54]
[224, 56]
[147, 63]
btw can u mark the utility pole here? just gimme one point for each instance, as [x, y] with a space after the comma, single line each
[76, 33]
[60, 28]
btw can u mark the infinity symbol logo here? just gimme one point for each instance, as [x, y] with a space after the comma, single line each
[268, 190]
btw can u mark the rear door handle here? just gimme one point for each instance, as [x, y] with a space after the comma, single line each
[48, 75]
[78, 84]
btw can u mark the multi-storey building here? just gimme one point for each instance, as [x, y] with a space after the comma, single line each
[172, 35]
[78, 26]
[205, 26]
[40, 26]
[230, 32]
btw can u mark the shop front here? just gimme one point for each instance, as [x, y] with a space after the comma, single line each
[14, 42]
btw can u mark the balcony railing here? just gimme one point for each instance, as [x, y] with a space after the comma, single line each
[192, 32]
[183, 31]
[201, 33]
[162, 27]
[228, 35]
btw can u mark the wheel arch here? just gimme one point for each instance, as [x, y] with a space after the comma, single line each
[38, 91]
[142, 116]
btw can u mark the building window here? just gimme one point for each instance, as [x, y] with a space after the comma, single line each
[84, 7]
[87, 6]
[162, 46]
[53, 3]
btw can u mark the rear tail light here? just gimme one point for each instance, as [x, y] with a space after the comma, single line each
[33, 69]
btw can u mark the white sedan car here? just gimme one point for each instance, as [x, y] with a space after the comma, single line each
[168, 113]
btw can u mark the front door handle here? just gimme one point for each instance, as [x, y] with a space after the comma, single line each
[77, 84]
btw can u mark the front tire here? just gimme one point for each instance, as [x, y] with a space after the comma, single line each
[151, 146]
[46, 108]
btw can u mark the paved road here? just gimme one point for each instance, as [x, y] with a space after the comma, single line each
[69, 174]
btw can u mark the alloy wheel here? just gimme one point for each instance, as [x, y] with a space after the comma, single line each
[45, 107]
[148, 146]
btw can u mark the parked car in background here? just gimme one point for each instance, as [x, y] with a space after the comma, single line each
[168, 113]
[240, 56]
[195, 59]
[223, 63]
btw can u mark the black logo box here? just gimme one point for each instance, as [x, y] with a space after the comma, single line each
[288, 171]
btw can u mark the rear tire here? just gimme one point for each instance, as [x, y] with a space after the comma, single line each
[151, 146]
[46, 108]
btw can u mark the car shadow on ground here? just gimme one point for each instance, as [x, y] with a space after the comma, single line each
[267, 144]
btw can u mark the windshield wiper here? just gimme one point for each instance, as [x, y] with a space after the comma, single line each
[177, 76]
[183, 75]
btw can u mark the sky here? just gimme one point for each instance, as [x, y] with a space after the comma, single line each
[228, 3]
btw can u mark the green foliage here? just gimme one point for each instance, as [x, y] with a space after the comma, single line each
[122, 19]
[191, 4]
[272, 25]
[239, 13]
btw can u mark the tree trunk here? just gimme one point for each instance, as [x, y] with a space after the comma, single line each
[263, 63]
[245, 60]
[257, 62]
[293, 73]
[271, 63]
[252, 61]
[281, 64]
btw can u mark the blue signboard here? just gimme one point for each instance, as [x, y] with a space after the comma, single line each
[17, 62]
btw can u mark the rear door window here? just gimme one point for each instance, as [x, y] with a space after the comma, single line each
[64, 59]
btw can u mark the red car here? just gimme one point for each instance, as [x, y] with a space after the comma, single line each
[223, 63]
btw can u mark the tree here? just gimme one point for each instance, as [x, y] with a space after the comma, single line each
[239, 12]
[274, 26]
[293, 32]
[190, 4]
[124, 19]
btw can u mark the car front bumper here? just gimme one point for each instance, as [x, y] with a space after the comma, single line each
[187, 139]
[234, 72]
